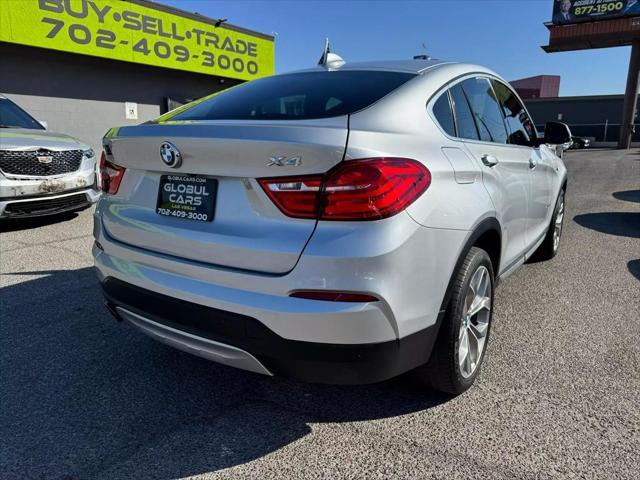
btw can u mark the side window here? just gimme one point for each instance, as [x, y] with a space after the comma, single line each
[520, 127]
[486, 110]
[443, 114]
[464, 118]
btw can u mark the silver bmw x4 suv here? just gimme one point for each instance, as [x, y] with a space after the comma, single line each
[336, 225]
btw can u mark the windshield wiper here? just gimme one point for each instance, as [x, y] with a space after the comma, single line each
[10, 126]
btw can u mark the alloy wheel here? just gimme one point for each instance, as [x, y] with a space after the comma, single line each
[557, 225]
[475, 322]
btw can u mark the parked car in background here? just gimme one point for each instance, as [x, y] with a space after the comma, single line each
[41, 172]
[342, 224]
[578, 143]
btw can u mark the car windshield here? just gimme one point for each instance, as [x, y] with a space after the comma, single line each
[297, 96]
[12, 116]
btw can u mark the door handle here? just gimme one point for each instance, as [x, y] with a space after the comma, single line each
[489, 160]
[532, 163]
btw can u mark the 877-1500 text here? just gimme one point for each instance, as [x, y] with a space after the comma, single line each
[82, 35]
[600, 8]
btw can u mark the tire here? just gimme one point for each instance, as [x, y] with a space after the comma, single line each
[551, 244]
[444, 371]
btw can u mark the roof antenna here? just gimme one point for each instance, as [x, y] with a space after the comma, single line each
[423, 56]
[330, 60]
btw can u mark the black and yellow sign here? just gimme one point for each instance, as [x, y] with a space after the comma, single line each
[574, 11]
[136, 32]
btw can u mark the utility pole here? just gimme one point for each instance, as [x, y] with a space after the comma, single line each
[630, 97]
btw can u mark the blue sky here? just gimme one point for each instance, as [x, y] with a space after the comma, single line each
[504, 35]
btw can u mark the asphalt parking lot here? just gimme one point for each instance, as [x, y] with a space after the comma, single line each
[83, 397]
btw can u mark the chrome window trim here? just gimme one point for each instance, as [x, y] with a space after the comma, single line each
[445, 89]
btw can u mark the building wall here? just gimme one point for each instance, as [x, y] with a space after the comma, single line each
[541, 86]
[85, 96]
[592, 116]
[87, 120]
[579, 110]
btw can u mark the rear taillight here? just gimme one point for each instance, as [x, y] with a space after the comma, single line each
[295, 196]
[110, 175]
[368, 189]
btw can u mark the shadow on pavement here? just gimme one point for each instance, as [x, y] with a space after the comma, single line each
[625, 224]
[634, 268]
[86, 397]
[17, 224]
[628, 196]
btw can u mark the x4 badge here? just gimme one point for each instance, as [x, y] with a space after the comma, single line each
[284, 161]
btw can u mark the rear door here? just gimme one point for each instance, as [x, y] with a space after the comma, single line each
[505, 168]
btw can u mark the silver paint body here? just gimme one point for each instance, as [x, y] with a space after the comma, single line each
[23, 188]
[252, 256]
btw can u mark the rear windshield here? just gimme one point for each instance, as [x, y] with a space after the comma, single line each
[297, 96]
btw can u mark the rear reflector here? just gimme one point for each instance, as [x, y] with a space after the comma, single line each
[367, 189]
[334, 296]
[110, 175]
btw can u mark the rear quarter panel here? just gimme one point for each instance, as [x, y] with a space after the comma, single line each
[401, 125]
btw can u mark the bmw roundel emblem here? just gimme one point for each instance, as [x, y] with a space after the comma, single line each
[170, 155]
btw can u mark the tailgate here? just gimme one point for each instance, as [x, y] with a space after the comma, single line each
[248, 231]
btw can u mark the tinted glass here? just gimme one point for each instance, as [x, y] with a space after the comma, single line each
[296, 96]
[464, 118]
[443, 114]
[486, 110]
[12, 115]
[520, 127]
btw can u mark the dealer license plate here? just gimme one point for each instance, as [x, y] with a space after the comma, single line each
[187, 196]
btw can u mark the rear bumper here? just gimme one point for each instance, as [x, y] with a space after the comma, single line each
[244, 342]
[319, 341]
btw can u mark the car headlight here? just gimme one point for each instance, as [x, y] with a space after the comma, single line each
[89, 153]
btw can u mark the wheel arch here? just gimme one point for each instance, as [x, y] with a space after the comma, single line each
[486, 235]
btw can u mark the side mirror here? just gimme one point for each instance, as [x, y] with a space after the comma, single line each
[557, 133]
